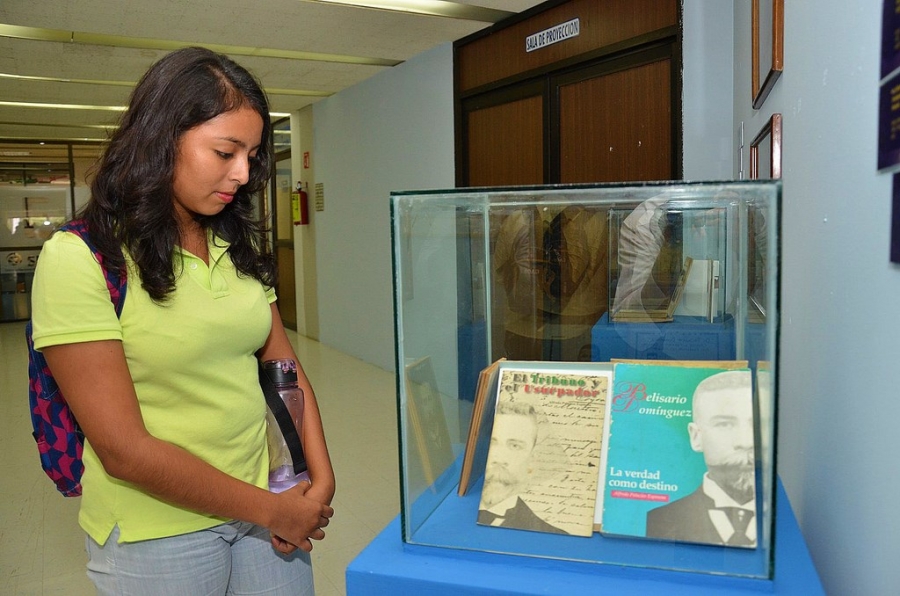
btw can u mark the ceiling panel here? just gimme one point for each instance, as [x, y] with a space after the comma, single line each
[289, 24]
[292, 25]
[78, 93]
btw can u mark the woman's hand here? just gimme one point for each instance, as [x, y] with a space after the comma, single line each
[301, 522]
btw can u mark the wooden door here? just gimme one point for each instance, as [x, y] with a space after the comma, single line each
[616, 126]
[504, 141]
[284, 240]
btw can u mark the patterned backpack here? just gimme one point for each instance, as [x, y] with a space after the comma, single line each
[58, 436]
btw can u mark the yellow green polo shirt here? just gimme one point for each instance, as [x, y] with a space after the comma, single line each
[193, 366]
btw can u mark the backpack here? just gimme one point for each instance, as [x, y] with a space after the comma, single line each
[59, 438]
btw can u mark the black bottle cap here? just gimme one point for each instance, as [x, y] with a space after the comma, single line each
[281, 372]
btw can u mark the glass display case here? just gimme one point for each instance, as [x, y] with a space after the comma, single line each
[666, 259]
[575, 278]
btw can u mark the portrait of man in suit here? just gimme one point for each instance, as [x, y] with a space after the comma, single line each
[723, 509]
[508, 470]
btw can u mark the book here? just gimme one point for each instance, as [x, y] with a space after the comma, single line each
[680, 449]
[721, 364]
[542, 463]
[604, 454]
[427, 419]
[765, 392]
[661, 310]
[475, 452]
[701, 291]
[756, 311]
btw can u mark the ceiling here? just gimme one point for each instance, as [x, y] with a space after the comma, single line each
[87, 54]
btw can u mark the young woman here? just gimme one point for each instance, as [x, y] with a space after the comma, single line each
[175, 495]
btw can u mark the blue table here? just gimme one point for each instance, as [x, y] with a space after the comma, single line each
[685, 338]
[388, 566]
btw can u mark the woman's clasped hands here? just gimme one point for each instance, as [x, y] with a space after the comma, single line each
[300, 517]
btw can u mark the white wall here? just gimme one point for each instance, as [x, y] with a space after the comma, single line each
[306, 278]
[707, 57]
[840, 378]
[392, 132]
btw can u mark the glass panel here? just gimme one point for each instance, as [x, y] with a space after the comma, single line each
[661, 271]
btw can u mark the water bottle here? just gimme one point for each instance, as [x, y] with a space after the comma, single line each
[285, 469]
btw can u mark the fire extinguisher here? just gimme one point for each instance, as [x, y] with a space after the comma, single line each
[300, 205]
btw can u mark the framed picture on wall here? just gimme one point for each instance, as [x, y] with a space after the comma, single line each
[765, 151]
[890, 38]
[889, 89]
[767, 46]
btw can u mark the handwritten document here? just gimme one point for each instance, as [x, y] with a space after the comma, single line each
[569, 408]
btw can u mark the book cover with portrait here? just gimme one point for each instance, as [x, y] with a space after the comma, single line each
[541, 472]
[680, 461]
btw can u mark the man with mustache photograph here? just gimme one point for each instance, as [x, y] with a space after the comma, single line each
[723, 509]
[508, 471]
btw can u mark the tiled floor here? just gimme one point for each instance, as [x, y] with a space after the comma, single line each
[42, 547]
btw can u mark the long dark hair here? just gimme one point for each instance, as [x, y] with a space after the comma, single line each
[132, 203]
